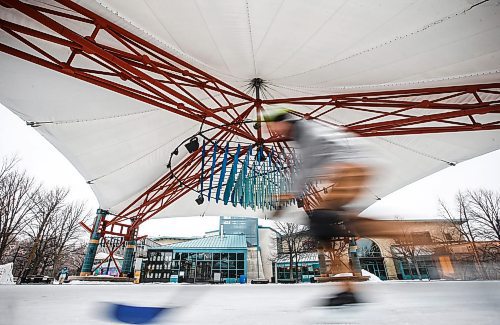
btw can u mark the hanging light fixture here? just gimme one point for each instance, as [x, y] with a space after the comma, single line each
[200, 199]
[192, 145]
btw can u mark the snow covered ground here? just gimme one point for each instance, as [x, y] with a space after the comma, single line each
[392, 302]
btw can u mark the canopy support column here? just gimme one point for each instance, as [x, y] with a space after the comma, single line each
[88, 261]
[129, 256]
[353, 257]
[128, 259]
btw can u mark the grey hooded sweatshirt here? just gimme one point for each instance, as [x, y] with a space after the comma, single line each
[320, 149]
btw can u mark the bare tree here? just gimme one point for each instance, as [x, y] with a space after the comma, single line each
[463, 222]
[39, 228]
[17, 193]
[485, 210]
[48, 204]
[73, 256]
[409, 245]
[8, 164]
[295, 240]
[54, 237]
[490, 256]
[66, 231]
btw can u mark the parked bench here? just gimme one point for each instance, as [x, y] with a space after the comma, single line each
[32, 278]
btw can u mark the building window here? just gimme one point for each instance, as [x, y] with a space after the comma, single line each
[303, 272]
[194, 267]
[368, 248]
[370, 258]
[409, 270]
[241, 225]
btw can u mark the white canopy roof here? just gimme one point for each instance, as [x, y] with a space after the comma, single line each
[300, 48]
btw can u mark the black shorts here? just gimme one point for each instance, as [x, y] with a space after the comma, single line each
[327, 224]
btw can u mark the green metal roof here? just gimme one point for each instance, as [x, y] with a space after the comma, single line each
[175, 238]
[212, 242]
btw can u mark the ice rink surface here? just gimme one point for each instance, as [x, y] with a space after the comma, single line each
[435, 302]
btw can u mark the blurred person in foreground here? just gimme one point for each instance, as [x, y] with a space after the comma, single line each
[327, 155]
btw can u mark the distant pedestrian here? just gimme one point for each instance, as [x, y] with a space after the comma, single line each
[63, 275]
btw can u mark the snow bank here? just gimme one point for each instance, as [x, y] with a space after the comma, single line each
[373, 277]
[79, 282]
[6, 274]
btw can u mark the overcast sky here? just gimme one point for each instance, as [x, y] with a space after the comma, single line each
[417, 200]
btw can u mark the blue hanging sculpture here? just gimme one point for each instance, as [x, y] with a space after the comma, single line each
[253, 181]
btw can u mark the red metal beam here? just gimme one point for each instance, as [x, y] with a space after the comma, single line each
[427, 118]
[408, 110]
[396, 93]
[110, 255]
[430, 130]
[84, 226]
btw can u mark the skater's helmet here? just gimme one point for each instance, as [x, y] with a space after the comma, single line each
[279, 114]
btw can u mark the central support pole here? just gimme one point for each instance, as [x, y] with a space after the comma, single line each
[88, 261]
[257, 84]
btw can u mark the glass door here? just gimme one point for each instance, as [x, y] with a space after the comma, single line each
[203, 271]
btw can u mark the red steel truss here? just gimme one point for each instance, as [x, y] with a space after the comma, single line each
[141, 70]
[412, 111]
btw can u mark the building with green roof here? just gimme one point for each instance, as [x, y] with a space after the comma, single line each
[238, 250]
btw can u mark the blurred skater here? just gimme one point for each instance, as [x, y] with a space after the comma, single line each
[330, 155]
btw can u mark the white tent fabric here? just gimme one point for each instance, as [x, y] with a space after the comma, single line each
[325, 46]
[300, 48]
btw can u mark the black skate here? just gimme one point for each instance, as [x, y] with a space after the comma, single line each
[342, 299]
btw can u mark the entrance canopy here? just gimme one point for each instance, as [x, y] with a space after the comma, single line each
[118, 86]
